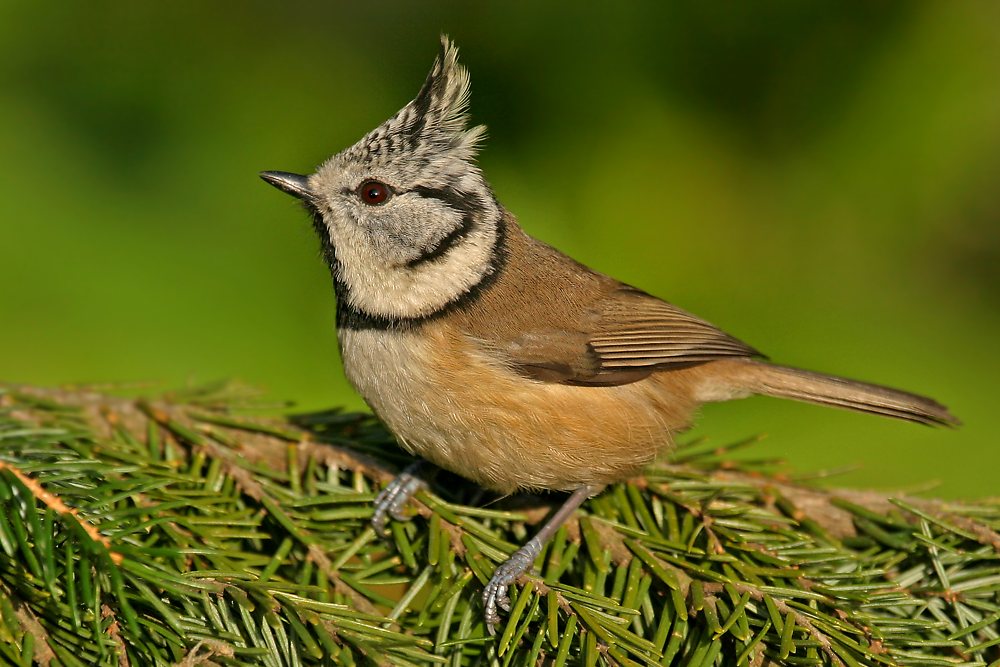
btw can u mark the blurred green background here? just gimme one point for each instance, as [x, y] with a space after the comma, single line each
[820, 179]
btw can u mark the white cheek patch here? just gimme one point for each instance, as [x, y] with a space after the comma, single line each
[379, 288]
[394, 236]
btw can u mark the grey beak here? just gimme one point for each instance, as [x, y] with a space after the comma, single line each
[293, 184]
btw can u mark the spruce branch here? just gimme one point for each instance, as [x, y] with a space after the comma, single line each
[191, 530]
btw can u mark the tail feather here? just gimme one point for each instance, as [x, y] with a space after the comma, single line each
[840, 392]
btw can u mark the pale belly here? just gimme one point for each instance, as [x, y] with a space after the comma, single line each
[450, 403]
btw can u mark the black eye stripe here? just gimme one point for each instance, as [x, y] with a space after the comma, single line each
[462, 202]
[455, 199]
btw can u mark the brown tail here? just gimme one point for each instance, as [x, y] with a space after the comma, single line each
[839, 392]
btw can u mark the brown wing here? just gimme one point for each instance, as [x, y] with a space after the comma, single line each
[637, 330]
[554, 320]
[628, 335]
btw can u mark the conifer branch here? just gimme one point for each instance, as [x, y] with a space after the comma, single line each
[189, 530]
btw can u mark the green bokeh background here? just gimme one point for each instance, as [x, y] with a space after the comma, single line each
[820, 179]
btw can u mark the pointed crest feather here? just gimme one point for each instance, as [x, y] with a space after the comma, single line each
[440, 109]
[433, 125]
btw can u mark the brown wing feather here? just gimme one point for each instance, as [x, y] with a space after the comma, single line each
[636, 330]
[624, 336]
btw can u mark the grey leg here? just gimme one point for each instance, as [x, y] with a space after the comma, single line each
[393, 498]
[495, 593]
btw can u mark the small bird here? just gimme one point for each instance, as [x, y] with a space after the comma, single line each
[493, 355]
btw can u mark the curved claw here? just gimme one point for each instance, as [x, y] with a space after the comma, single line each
[392, 500]
[495, 594]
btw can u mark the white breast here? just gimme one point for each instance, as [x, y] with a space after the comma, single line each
[393, 373]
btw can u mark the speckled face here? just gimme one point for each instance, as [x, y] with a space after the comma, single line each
[410, 218]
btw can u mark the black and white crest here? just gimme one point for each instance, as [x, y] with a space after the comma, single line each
[430, 132]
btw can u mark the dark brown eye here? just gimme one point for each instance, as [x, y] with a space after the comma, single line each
[374, 193]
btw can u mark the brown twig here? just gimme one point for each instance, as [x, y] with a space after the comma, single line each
[56, 504]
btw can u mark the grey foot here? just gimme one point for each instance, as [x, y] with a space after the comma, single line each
[393, 498]
[495, 593]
